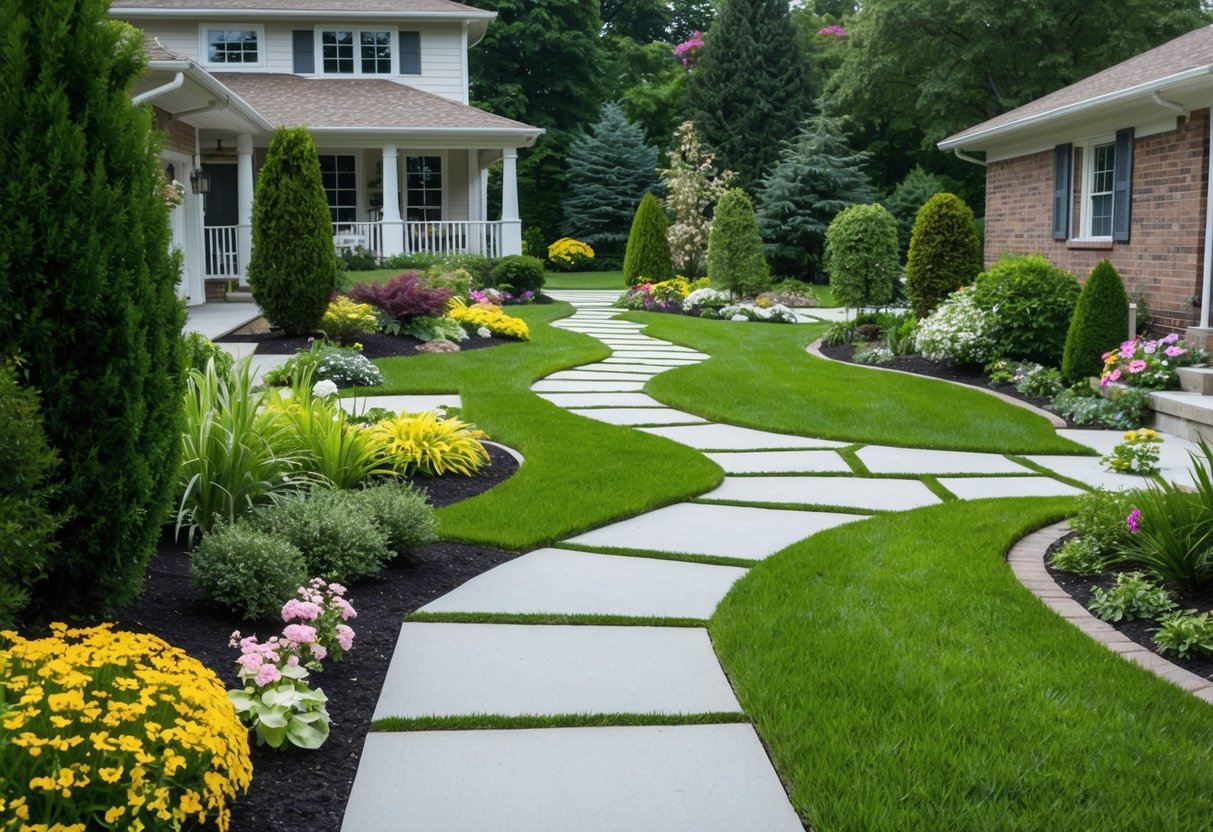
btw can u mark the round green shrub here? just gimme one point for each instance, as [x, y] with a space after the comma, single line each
[735, 260]
[647, 257]
[861, 255]
[293, 267]
[1100, 323]
[336, 533]
[199, 349]
[402, 512]
[1030, 302]
[519, 273]
[248, 571]
[945, 252]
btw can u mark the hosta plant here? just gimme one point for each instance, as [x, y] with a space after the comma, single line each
[424, 443]
[435, 328]
[1134, 596]
[1185, 633]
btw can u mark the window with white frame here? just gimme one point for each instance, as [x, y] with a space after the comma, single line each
[356, 51]
[423, 188]
[338, 171]
[232, 45]
[1101, 167]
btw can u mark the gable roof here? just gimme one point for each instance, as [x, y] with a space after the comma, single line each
[1175, 64]
[133, 8]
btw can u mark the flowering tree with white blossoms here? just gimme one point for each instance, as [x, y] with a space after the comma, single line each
[692, 188]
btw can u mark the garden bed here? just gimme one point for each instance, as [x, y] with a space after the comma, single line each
[294, 788]
[373, 345]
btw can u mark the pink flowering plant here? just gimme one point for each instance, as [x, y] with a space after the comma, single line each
[834, 31]
[1142, 362]
[689, 49]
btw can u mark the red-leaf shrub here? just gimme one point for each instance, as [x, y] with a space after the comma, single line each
[402, 297]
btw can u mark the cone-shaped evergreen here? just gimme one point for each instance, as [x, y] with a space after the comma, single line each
[648, 253]
[88, 298]
[750, 89]
[610, 168]
[735, 260]
[1100, 323]
[945, 252]
[861, 256]
[293, 268]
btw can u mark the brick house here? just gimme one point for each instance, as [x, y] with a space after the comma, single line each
[1115, 166]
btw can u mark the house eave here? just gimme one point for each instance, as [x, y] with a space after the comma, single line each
[469, 137]
[126, 12]
[214, 87]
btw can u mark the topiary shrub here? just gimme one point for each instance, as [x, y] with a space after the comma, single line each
[402, 512]
[1030, 302]
[252, 573]
[336, 533]
[1100, 322]
[647, 257]
[861, 255]
[945, 252]
[519, 273]
[735, 260]
[293, 267]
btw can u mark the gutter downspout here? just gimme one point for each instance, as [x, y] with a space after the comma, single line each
[965, 157]
[1170, 105]
[1208, 270]
[174, 84]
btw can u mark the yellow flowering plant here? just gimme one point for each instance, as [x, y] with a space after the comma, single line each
[345, 320]
[489, 317]
[425, 443]
[104, 729]
[1137, 454]
[567, 254]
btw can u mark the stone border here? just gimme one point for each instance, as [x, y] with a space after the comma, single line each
[1027, 561]
[518, 456]
[1055, 420]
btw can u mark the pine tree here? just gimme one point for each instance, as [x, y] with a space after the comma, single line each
[945, 252]
[293, 268]
[816, 177]
[648, 252]
[692, 189]
[909, 196]
[735, 260]
[749, 90]
[88, 299]
[610, 169]
[1100, 323]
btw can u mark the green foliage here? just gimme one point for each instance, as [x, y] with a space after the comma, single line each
[248, 572]
[735, 260]
[403, 514]
[321, 362]
[88, 297]
[1134, 596]
[1127, 411]
[293, 267]
[344, 320]
[610, 169]
[519, 274]
[335, 531]
[908, 197]
[1185, 634]
[1173, 542]
[861, 256]
[199, 350]
[1100, 322]
[945, 253]
[648, 252]
[1030, 302]
[1078, 556]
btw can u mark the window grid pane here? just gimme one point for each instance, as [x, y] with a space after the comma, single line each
[338, 49]
[340, 186]
[424, 187]
[1103, 166]
[376, 53]
[232, 46]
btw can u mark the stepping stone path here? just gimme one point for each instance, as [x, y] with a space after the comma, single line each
[675, 562]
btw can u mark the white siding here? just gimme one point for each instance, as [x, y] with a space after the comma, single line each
[456, 185]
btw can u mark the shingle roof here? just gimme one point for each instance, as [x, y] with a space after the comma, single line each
[156, 52]
[1187, 52]
[128, 7]
[368, 103]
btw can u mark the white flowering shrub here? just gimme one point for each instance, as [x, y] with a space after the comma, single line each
[957, 331]
[707, 298]
[777, 314]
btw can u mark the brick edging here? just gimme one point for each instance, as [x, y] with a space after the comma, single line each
[1027, 561]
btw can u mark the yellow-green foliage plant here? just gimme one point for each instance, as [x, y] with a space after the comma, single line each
[104, 729]
[422, 443]
[345, 320]
[488, 316]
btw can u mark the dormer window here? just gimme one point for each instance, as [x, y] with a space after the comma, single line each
[356, 52]
[235, 46]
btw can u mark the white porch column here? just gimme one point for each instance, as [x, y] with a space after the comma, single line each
[511, 225]
[244, 201]
[476, 232]
[393, 225]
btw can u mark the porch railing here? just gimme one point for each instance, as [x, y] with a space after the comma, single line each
[350, 236]
[454, 237]
[222, 252]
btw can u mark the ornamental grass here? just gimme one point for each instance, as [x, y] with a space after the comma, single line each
[423, 443]
[114, 730]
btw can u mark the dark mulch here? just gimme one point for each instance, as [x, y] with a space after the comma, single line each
[373, 346]
[1081, 589]
[292, 788]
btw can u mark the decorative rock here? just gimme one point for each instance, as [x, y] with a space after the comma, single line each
[438, 346]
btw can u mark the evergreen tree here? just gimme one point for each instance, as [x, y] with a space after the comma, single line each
[692, 188]
[88, 299]
[861, 256]
[816, 177]
[648, 252]
[293, 268]
[735, 260]
[610, 169]
[945, 252]
[1100, 323]
[749, 90]
[910, 195]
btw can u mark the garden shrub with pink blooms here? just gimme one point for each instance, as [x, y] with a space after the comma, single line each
[1149, 363]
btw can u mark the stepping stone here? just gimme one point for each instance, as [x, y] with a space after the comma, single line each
[601, 400]
[412, 404]
[1089, 470]
[720, 531]
[977, 488]
[666, 349]
[590, 375]
[567, 582]
[545, 386]
[603, 367]
[653, 362]
[660, 354]
[847, 492]
[1172, 454]
[717, 437]
[884, 460]
[779, 462]
[632, 416]
[679, 778]
[519, 669]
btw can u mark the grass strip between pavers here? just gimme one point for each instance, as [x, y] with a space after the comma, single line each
[937, 488]
[1048, 472]
[552, 619]
[777, 506]
[489, 722]
[657, 554]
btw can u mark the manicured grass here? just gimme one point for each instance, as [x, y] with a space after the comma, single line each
[824, 296]
[760, 376]
[579, 473]
[348, 279]
[903, 679]
[487, 722]
[585, 280]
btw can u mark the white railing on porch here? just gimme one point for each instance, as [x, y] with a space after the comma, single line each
[222, 252]
[350, 236]
[454, 237]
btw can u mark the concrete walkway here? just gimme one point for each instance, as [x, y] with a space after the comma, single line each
[778, 490]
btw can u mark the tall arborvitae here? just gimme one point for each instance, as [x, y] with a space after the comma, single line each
[735, 260]
[648, 253]
[749, 89]
[88, 300]
[1100, 323]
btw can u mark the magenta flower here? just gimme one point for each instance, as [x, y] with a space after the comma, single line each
[1136, 366]
[1114, 375]
[1133, 521]
[833, 31]
[1172, 352]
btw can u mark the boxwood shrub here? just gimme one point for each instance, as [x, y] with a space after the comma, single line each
[519, 273]
[1030, 302]
[334, 530]
[246, 570]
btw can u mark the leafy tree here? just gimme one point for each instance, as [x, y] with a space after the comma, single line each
[861, 256]
[88, 299]
[749, 89]
[692, 188]
[817, 176]
[945, 252]
[293, 268]
[648, 253]
[735, 259]
[688, 17]
[641, 20]
[1100, 323]
[650, 82]
[610, 169]
[909, 196]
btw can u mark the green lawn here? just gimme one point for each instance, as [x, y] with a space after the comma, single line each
[586, 280]
[374, 276]
[903, 679]
[760, 376]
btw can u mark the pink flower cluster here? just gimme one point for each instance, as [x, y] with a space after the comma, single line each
[685, 51]
[1133, 521]
[833, 31]
[1147, 363]
[496, 297]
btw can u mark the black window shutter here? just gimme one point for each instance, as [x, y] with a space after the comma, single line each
[1122, 186]
[304, 43]
[1063, 154]
[410, 53]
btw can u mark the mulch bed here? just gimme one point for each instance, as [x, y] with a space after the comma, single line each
[293, 788]
[373, 346]
[1140, 631]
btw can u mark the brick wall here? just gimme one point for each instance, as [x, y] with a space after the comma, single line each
[1164, 257]
[179, 136]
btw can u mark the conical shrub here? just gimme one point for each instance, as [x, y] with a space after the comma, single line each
[648, 253]
[1100, 323]
[735, 260]
[945, 252]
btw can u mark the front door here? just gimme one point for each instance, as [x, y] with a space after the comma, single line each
[222, 215]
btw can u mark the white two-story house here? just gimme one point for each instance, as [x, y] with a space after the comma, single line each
[382, 85]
